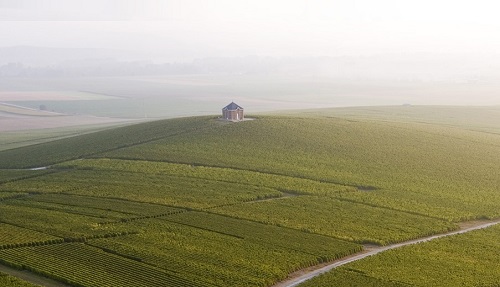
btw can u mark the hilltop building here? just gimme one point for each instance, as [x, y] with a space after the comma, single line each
[232, 112]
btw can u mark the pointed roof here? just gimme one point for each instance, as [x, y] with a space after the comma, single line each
[232, 107]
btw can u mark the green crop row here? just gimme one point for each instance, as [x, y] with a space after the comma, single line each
[95, 267]
[11, 281]
[323, 247]
[349, 278]
[114, 210]
[222, 257]
[130, 208]
[340, 219]
[49, 183]
[414, 180]
[11, 195]
[76, 147]
[13, 175]
[62, 240]
[11, 234]
[445, 207]
[148, 188]
[54, 222]
[98, 213]
[280, 182]
[448, 165]
[461, 260]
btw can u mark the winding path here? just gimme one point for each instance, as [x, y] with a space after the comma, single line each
[294, 278]
[303, 275]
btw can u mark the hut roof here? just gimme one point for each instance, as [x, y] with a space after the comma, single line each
[232, 107]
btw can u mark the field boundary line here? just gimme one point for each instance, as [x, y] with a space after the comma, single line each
[299, 277]
[388, 208]
[358, 187]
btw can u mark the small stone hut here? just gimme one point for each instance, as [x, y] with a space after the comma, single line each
[232, 112]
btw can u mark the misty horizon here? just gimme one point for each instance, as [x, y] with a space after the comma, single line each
[186, 30]
[318, 53]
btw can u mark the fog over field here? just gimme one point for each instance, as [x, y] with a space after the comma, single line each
[155, 58]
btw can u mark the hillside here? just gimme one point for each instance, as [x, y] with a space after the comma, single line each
[200, 202]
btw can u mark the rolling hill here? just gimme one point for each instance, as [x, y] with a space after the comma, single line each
[201, 202]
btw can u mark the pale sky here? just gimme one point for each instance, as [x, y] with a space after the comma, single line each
[201, 28]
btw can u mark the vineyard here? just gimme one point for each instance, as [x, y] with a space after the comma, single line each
[353, 222]
[95, 267]
[283, 183]
[423, 161]
[11, 281]
[175, 203]
[462, 260]
[150, 188]
[12, 175]
[98, 142]
[12, 234]
[236, 258]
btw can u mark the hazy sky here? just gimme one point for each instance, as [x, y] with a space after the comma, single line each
[187, 29]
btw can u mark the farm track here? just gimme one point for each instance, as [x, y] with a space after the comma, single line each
[303, 275]
[297, 277]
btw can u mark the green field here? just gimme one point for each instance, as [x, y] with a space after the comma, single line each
[98, 142]
[11, 281]
[200, 202]
[461, 260]
[13, 175]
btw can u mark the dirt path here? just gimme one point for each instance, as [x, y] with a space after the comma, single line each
[295, 278]
[303, 275]
[31, 277]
